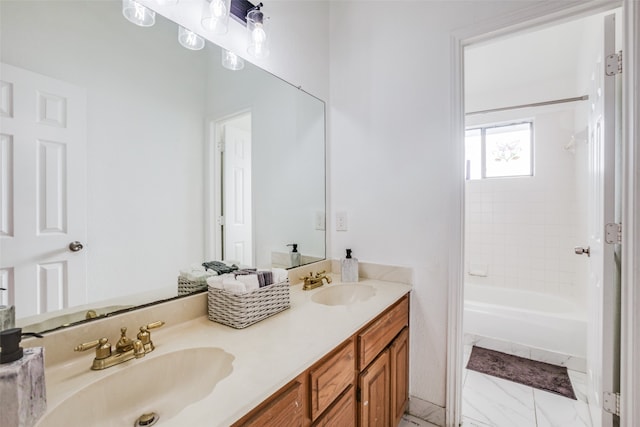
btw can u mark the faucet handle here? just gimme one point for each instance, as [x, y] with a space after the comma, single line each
[145, 336]
[102, 346]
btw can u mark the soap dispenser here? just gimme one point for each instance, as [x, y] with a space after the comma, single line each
[22, 382]
[7, 316]
[349, 268]
[295, 255]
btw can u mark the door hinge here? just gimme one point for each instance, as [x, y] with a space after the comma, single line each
[613, 64]
[220, 220]
[358, 395]
[613, 233]
[220, 146]
[611, 402]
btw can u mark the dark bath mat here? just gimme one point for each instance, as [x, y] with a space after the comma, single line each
[543, 376]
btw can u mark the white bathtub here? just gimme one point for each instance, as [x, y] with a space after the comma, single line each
[531, 319]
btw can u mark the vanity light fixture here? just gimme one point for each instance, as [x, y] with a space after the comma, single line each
[189, 39]
[215, 16]
[138, 14]
[257, 30]
[231, 61]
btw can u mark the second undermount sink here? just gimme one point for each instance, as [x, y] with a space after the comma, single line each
[163, 385]
[343, 294]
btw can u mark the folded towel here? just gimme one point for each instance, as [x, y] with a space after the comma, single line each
[219, 267]
[245, 271]
[234, 286]
[197, 267]
[279, 275]
[265, 278]
[215, 282]
[250, 281]
[196, 276]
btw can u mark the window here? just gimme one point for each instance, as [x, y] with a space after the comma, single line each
[499, 151]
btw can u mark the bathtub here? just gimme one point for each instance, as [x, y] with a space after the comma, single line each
[531, 319]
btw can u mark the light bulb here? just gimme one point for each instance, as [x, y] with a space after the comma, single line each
[189, 39]
[138, 14]
[231, 61]
[218, 9]
[215, 16]
[258, 46]
[258, 35]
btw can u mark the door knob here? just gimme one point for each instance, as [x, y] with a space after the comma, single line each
[75, 246]
[582, 251]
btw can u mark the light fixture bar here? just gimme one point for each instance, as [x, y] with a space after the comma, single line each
[239, 9]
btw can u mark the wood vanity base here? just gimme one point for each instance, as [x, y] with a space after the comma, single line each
[363, 382]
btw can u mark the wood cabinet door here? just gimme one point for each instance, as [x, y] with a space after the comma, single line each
[373, 339]
[284, 410]
[374, 407]
[342, 413]
[399, 355]
[331, 377]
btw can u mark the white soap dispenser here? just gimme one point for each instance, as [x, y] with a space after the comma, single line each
[349, 268]
[295, 255]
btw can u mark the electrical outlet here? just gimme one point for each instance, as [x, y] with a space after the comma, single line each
[341, 221]
[320, 221]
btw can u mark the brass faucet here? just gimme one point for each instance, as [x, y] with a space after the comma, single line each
[312, 282]
[125, 349]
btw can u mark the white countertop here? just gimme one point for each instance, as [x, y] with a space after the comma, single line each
[267, 355]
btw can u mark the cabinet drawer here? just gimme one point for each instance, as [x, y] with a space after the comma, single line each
[284, 410]
[331, 377]
[343, 413]
[378, 335]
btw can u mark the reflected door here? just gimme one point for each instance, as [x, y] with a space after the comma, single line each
[42, 202]
[236, 205]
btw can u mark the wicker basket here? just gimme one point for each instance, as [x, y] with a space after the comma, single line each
[186, 286]
[242, 310]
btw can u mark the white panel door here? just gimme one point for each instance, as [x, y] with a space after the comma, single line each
[238, 235]
[42, 191]
[602, 330]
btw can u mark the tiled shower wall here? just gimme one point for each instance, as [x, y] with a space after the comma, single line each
[522, 230]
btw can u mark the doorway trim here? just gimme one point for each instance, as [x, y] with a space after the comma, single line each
[213, 182]
[539, 16]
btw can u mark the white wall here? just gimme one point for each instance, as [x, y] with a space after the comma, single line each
[392, 154]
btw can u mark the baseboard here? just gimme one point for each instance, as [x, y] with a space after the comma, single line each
[426, 411]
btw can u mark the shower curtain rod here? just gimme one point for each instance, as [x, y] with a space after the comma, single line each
[535, 104]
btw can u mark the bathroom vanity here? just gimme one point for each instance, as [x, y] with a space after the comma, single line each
[338, 356]
[363, 381]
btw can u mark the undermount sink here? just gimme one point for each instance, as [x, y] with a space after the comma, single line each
[165, 385]
[345, 294]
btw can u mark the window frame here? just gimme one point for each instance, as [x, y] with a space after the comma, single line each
[483, 149]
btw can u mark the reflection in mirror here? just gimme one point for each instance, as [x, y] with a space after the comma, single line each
[128, 158]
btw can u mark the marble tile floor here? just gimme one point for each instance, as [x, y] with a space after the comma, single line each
[411, 421]
[490, 401]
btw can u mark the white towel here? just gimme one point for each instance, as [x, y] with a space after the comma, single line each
[234, 286]
[215, 282]
[279, 275]
[250, 281]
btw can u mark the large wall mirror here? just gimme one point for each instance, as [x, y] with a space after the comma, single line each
[127, 158]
